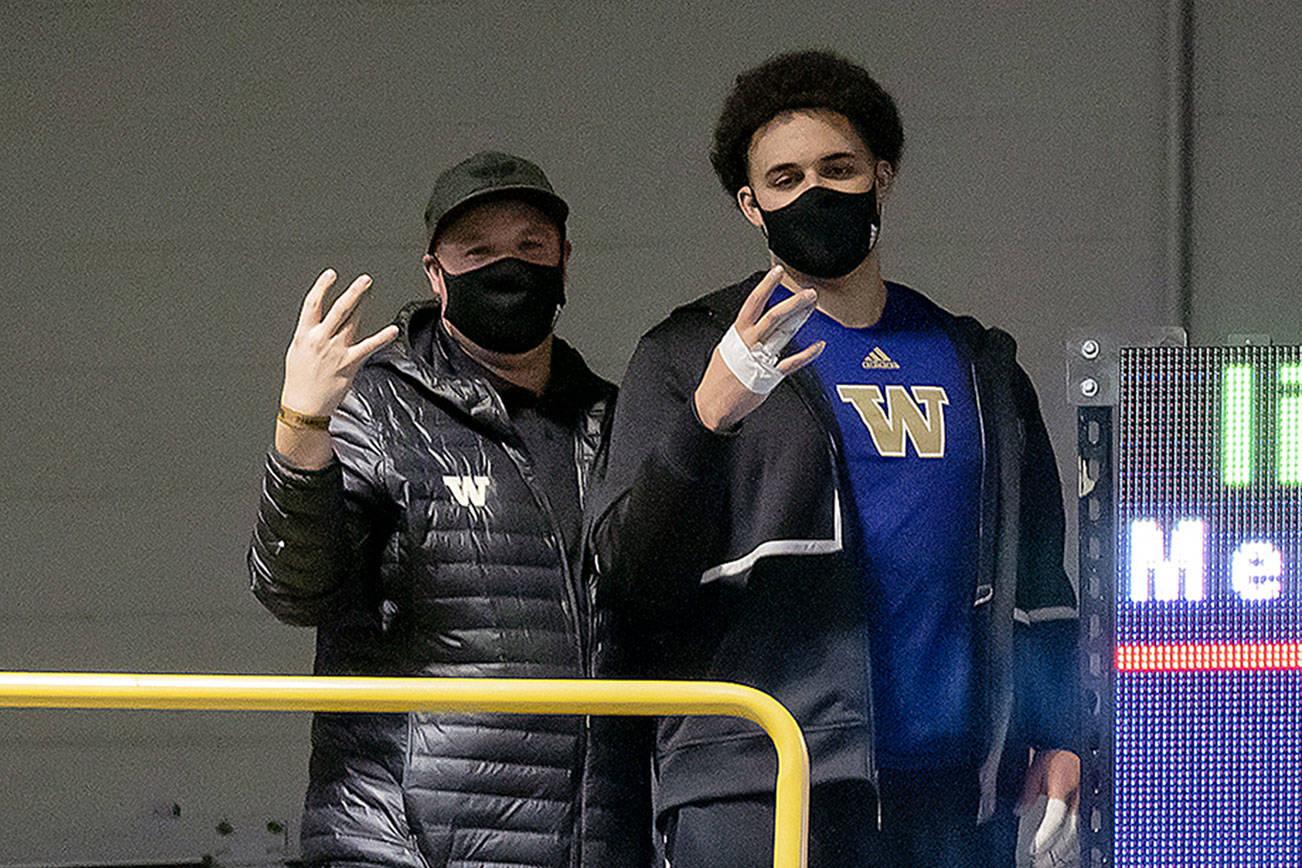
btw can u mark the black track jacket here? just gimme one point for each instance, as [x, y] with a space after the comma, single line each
[729, 553]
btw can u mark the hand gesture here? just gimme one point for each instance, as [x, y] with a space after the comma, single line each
[723, 400]
[322, 359]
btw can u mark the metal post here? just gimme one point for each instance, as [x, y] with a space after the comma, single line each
[1097, 560]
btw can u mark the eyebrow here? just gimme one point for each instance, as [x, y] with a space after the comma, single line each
[472, 235]
[465, 235]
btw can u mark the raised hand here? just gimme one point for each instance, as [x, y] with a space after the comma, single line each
[322, 359]
[722, 399]
[320, 364]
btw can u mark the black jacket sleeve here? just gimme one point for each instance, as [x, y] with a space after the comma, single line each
[653, 534]
[1047, 626]
[317, 534]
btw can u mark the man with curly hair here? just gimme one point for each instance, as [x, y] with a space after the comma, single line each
[823, 485]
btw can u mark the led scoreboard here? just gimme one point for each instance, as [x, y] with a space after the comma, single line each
[1208, 608]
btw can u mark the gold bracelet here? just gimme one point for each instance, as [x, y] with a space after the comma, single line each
[295, 419]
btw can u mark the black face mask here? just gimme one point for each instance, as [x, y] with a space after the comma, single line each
[824, 233]
[507, 306]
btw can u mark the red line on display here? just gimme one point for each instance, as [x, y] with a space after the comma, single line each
[1209, 657]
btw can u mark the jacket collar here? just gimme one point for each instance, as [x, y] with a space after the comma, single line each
[419, 356]
[722, 307]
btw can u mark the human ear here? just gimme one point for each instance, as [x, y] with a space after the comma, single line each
[749, 207]
[434, 273]
[884, 176]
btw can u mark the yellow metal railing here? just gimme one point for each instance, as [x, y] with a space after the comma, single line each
[511, 695]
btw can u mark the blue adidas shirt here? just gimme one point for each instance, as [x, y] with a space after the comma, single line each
[911, 437]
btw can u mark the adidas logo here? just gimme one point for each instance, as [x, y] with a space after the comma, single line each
[877, 360]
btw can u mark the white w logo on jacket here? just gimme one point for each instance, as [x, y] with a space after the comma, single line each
[468, 490]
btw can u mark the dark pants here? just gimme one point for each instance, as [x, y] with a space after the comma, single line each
[925, 823]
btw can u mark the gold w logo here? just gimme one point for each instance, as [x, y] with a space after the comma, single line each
[920, 418]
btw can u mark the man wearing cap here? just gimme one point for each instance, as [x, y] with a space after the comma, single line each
[421, 508]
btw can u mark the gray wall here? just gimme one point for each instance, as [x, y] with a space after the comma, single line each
[1248, 149]
[175, 175]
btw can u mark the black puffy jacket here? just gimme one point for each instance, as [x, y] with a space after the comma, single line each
[429, 548]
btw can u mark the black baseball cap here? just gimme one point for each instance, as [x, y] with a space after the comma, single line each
[490, 173]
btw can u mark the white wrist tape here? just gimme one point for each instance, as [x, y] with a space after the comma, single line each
[755, 367]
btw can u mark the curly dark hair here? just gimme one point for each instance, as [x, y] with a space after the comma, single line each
[803, 80]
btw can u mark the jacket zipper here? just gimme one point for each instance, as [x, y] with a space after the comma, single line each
[981, 526]
[580, 590]
[574, 580]
[570, 606]
[871, 760]
[571, 592]
[981, 486]
[570, 603]
[874, 777]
